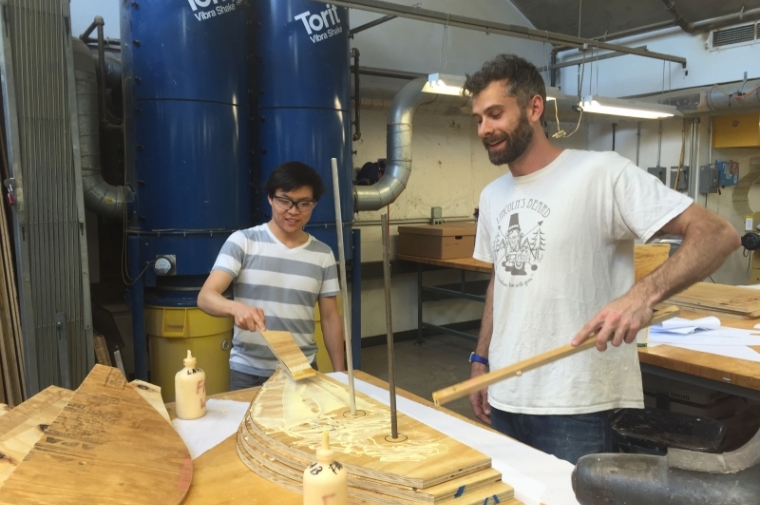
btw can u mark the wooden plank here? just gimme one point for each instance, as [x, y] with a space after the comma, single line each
[13, 361]
[647, 257]
[108, 446]
[735, 300]
[481, 382]
[26, 424]
[288, 414]
[102, 355]
[289, 354]
[470, 264]
[4, 409]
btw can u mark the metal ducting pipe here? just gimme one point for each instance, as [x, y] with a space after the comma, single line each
[100, 197]
[399, 149]
[712, 98]
[711, 23]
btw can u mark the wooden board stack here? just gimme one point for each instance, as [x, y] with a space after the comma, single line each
[284, 424]
[104, 444]
[720, 300]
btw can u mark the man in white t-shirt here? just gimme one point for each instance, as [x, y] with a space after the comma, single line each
[559, 229]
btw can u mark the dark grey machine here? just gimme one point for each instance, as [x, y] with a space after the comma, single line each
[679, 478]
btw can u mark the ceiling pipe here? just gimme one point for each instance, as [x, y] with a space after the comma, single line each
[714, 98]
[711, 23]
[446, 19]
[399, 146]
[100, 197]
[626, 33]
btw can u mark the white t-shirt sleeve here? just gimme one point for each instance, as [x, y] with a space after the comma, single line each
[330, 284]
[483, 251]
[230, 258]
[643, 204]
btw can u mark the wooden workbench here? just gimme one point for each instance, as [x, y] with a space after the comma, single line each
[730, 375]
[220, 478]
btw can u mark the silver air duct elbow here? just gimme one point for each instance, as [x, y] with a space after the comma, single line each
[399, 150]
[100, 197]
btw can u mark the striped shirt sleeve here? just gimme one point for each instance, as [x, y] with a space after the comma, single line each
[231, 256]
[330, 284]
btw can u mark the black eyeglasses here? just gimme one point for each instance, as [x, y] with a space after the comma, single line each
[286, 203]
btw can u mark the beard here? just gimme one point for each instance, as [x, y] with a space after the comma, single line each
[516, 144]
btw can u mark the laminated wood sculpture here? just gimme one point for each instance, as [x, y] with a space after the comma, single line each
[285, 422]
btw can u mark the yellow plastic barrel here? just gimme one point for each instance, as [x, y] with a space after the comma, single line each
[172, 331]
[324, 364]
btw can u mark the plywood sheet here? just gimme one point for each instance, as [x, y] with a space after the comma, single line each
[290, 356]
[720, 298]
[291, 417]
[108, 446]
[25, 424]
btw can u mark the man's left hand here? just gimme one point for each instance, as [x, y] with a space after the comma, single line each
[618, 322]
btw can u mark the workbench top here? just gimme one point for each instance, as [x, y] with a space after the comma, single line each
[220, 478]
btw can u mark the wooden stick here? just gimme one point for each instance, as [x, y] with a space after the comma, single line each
[344, 288]
[463, 389]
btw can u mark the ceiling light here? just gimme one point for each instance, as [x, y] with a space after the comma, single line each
[444, 84]
[630, 108]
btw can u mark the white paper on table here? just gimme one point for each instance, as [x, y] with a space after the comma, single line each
[719, 337]
[685, 326]
[537, 477]
[222, 419]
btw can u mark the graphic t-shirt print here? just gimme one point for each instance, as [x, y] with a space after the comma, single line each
[520, 241]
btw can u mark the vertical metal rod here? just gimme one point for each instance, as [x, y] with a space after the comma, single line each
[419, 305]
[138, 309]
[710, 140]
[389, 322]
[356, 297]
[638, 142]
[343, 286]
[659, 143]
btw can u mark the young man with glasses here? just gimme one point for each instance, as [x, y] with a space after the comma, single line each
[278, 273]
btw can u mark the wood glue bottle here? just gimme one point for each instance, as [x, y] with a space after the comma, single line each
[190, 390]
[326, 481]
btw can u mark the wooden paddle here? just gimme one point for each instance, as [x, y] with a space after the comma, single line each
[290, 356]
[463, 389]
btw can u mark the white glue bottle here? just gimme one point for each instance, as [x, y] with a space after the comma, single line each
[326, 481]
[190, 390]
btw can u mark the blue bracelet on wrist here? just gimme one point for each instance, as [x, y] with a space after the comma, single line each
[474, 358]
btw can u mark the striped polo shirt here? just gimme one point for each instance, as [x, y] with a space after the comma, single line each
[285, 283]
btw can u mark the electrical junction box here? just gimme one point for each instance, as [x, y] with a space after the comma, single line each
[729, 172]
[683, 178]
[658, 172]
[709, 179]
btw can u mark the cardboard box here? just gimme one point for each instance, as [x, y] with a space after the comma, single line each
[438, 241]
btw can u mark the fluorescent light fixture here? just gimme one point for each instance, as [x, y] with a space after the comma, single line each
[630, 108]
[444, 84]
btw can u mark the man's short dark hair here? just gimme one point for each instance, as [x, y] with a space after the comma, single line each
[292, 175]
[523, 80]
